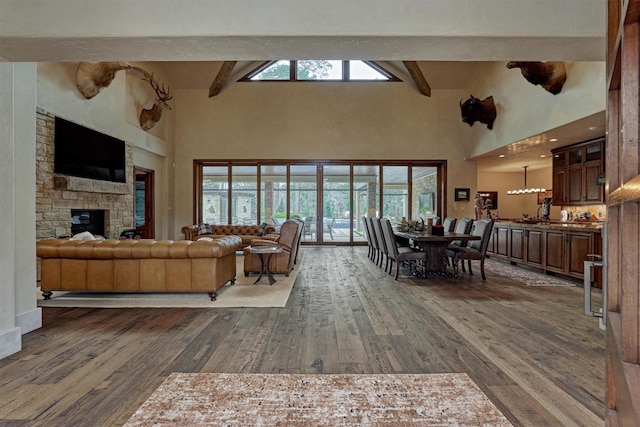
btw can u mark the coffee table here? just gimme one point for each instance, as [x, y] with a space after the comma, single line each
[265, 253]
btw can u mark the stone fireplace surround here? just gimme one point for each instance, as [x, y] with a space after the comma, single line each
[57, 195]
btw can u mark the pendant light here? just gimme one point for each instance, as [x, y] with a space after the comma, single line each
[526, 190]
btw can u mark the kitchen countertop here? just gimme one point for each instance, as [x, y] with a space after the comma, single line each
[553, 225]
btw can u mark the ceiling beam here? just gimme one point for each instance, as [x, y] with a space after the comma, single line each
[418, 78]
[221, 78]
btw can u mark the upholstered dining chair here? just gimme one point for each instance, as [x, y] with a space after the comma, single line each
[449, 223]
[463, 226]
[382, 244]
[477, 249]
[367, 235]
[374, 241]
[400, 254]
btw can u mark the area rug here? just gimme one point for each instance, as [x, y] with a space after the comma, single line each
[243, 294]
[209, 399]
[523, 275]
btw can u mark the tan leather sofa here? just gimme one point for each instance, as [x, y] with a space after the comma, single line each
[245, 232]
[288, 239]
[137, 265]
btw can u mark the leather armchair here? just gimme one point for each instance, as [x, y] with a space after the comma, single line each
[288, 239]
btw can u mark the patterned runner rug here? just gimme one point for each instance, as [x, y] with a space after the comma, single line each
[208, 399]
[522, 275]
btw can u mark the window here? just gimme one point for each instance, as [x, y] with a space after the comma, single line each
[330, 196]
[320, 70]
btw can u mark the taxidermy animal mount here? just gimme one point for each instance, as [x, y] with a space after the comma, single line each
[476, 110]
[92, 77]
[550, 75]
[149, 117]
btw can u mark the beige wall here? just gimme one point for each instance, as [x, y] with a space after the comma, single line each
[524, 110]
[515, 206]
[115, 111]
[374, 121]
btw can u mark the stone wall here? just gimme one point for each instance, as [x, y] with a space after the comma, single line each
[56, 194]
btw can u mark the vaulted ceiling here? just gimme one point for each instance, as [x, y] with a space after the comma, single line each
[449, 39]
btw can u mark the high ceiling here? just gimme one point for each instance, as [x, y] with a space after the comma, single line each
[449, 39]
[533, 151]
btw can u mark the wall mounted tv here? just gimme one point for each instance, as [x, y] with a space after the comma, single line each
[84, 152]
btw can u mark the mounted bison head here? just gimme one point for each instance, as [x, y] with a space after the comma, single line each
[550, 75]
[474, 110]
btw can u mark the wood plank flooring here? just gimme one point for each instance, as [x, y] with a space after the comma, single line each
[530, 349]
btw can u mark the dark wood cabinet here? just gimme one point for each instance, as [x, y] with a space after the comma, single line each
[502, 242]
[552, 249]
[579, 246]
[517, 244]
[576, 169]
[534, 246]
[554, 255]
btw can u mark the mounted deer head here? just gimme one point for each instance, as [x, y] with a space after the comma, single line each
[149, 117]
[92, 77]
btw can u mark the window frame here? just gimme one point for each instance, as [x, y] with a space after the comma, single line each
[293, 75]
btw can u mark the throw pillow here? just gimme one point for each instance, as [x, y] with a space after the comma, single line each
[85, 235]
[262, 228]
[204, 228]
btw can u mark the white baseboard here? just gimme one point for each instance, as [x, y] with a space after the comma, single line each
[10, 342]
[29, 321]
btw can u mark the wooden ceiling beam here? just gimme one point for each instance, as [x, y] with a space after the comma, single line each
[221, 78]
[418, 78]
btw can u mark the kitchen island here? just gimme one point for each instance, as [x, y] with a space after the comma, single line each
[557, 248]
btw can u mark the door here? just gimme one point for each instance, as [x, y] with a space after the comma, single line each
[337, 222]
[143, 203]
[621, 250]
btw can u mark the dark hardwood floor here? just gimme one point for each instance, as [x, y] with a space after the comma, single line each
[530, 349]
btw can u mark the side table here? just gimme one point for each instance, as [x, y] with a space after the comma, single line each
[265, 253]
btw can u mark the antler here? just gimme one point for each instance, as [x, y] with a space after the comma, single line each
[163, 94]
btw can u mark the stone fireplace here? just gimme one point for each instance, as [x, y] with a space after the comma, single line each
[59, 197]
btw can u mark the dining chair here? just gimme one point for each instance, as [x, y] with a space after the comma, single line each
[374, 240]
[449, 223]
[400, 254]
[367, 235]
[463, 226]
[382, 244]
[477, 249]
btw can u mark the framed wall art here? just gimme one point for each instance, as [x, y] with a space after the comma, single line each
[462, 194]
[491, 195]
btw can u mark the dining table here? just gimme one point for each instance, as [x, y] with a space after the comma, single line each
[434, 245]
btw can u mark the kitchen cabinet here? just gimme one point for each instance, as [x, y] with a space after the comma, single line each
[576, 169]
[550, 248]
[554, 254]
[534, 247]
[498, 244]
[517, 248]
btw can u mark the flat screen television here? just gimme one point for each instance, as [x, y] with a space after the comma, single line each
[84, 152]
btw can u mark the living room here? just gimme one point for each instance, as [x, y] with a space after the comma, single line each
[267, 121]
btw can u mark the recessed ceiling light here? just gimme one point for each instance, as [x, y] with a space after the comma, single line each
[501, 155]
[543, 155]
[553, 139]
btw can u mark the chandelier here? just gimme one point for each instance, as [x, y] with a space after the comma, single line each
[526, 190]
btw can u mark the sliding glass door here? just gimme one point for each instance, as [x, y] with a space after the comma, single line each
[329, 196]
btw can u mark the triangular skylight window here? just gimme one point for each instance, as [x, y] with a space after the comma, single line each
[320, 70]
